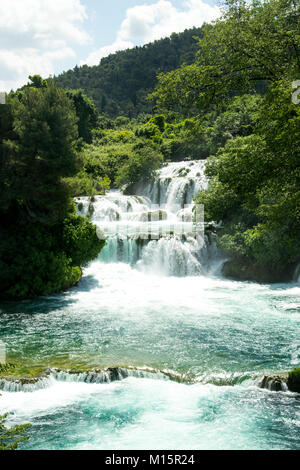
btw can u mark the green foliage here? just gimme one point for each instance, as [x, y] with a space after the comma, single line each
[140, 166]
[295, 373]
[37, 82]
[219, 201]
[40, 260]
[39, 152]
[84, 184]
[121, 156]
[159, 121]
[254, 43]
[80, 241]
[119, 85]
[192, 138]
[294, 380]
[10, 438]
[86, 112]
[255, 187]
[43, 244]
[150, 131]
[6, 367]
[238, 119]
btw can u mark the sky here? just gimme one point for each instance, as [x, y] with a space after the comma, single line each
[47, 37]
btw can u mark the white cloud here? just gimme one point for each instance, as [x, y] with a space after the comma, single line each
[145, 23]
[118, 45]
[36, 33]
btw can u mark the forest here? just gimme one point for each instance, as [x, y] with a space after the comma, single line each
[229, 102]
[119, 85]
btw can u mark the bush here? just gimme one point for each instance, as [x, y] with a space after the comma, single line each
[140, 166]
[38, 260]
[10, 438]
[254, 191]
[80, 241]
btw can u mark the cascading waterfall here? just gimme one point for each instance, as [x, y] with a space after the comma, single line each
[176, 185]
[149, 350]
[154, 229]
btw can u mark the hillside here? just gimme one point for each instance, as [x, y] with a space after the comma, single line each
[120, 83]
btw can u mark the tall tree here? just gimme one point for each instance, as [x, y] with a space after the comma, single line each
[43, 244]
[253, 41]
[86, 112]
[40, 153]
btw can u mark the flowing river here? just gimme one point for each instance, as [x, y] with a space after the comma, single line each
[185, 348]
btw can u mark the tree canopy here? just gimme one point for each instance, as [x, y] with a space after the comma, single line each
[119, 85]
[254, 43]
[43, 244]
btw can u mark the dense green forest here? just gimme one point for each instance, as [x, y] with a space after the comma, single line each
[43, 243]
[230, 103]
[119, 85]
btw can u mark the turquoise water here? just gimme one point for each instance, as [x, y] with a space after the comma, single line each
[221, 336]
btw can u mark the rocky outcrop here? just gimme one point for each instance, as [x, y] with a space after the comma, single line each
[274, 383]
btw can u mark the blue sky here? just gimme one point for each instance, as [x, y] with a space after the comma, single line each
[38, 36]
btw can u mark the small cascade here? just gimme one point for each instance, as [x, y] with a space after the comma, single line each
[26, 385]
[94, 376]
[115, 374]
[172, 256]
[122, 249]
[176, 184]
[155, 229]
[113, 207]
[274, 383]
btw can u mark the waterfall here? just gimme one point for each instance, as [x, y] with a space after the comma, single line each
[296, 276]
[93, 376]
[154, 229]
[176, 184]
[115, 374]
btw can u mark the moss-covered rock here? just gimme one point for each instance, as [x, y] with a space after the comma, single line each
[245, 270]
[293, 381]
[7, 367]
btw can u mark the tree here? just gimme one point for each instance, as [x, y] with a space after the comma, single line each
[10, 438]
[119, 85]
[252, 42]
[40, 153]
[254, 190]
[43, 244]
[86, 112]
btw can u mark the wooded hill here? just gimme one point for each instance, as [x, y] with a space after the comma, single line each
[121, 82]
